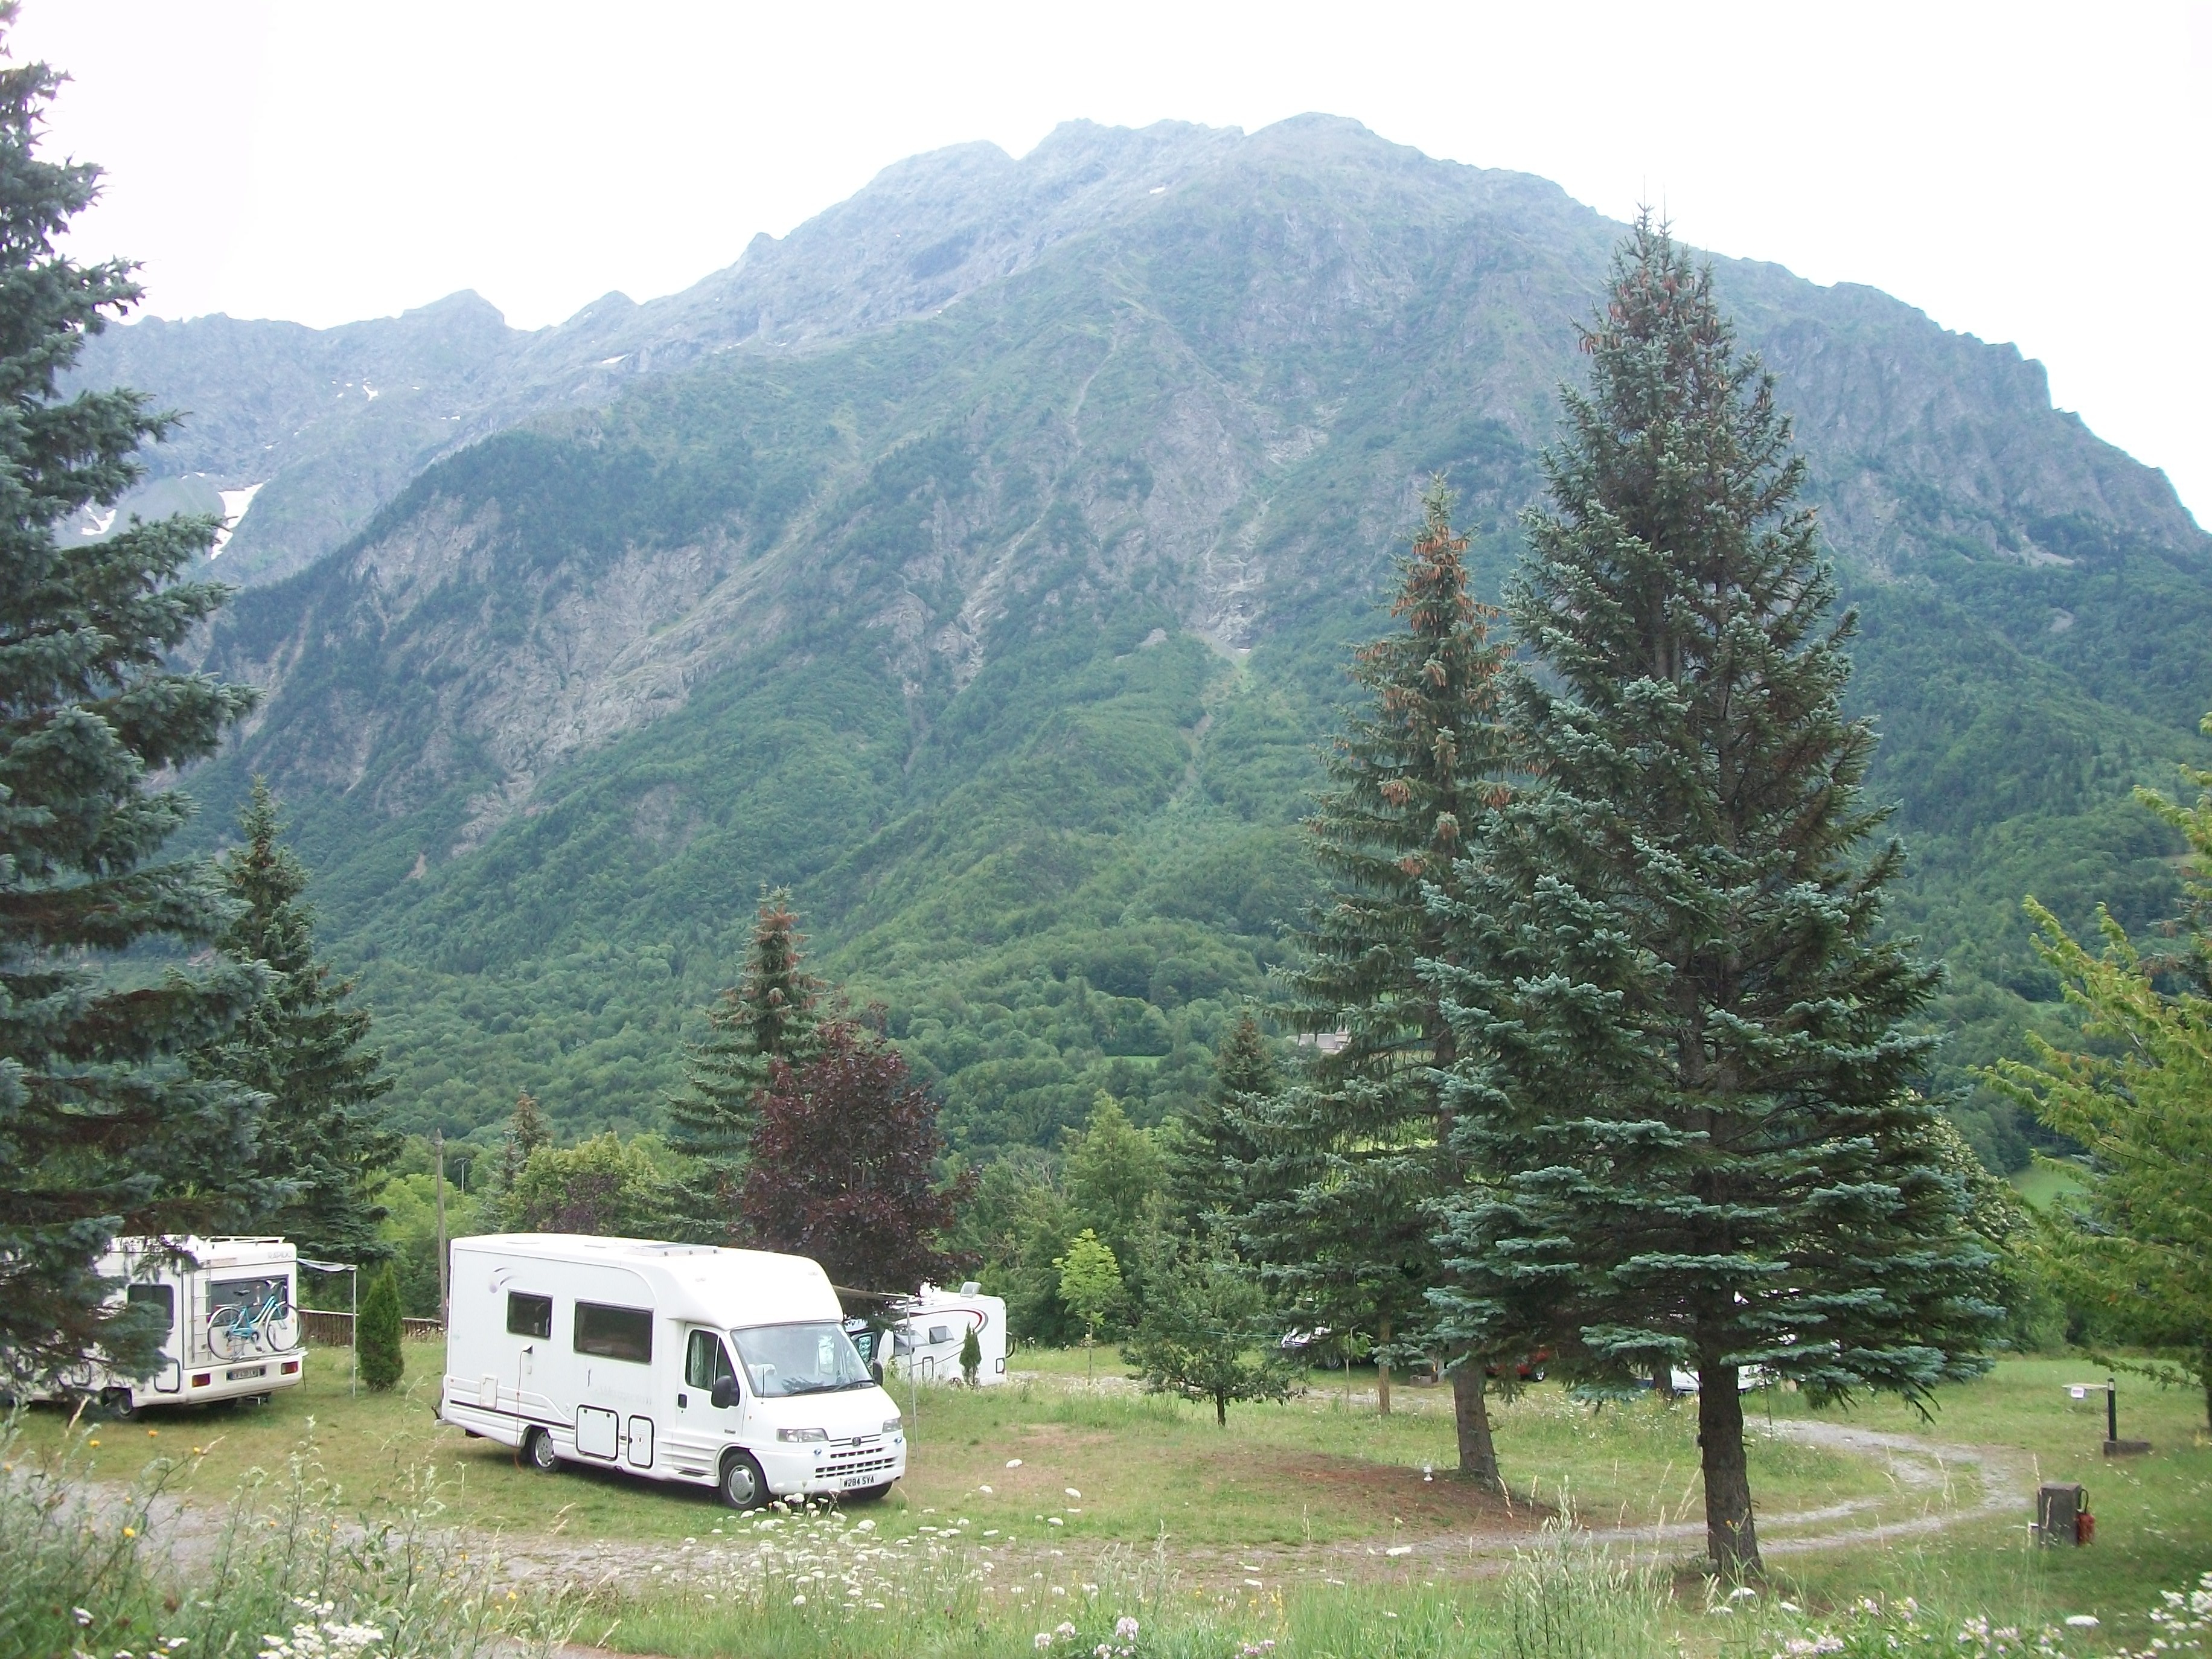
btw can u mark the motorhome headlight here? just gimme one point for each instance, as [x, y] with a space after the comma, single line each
[802, 1434]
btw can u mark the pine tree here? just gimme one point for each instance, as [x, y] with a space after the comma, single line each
[1209, 1332]
[1684, 1090]
[383, 1361]
[322, 1132]
[772, 1013]
[101, 1131]
[1362, 1147]
[1214, 1146]
[527, 1131]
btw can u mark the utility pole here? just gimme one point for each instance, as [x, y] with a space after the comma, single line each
[438, 1139]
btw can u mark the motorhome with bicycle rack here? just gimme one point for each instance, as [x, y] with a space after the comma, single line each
[728, 1368]
[230, 1310]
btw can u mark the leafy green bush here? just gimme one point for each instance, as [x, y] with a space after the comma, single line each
[382, 1364]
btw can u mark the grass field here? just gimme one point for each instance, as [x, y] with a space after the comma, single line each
[2040, 1183]
[1247, 1531]
[1307, 1471]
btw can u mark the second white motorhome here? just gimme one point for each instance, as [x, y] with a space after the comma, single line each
[934, 1326]
[232, 1323]
[728, 1368]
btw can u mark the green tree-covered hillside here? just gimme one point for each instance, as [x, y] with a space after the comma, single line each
[1004, 637]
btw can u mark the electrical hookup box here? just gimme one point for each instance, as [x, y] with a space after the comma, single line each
[2062, 1514]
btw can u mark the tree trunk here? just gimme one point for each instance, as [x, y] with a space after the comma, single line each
[2204, 1371]
[1383, 1371]
[1731, 1537]
[1221, 1411]
[1478, 1456]
[1663, 1380]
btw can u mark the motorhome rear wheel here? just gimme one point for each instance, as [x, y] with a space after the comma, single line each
[743, 1486]
[116, 1405]
[538, 1452]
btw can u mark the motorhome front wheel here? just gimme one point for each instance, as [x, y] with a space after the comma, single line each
[538, 1452]
[743, 1486]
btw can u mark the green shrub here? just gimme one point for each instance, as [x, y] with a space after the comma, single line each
[382, 1365]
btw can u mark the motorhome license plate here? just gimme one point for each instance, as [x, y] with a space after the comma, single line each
[852, 1480]
[239, 1373]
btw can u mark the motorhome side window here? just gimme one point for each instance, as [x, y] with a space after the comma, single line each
[706, 1361]
[615, 1332]
[161, 1298]
[528, 1314]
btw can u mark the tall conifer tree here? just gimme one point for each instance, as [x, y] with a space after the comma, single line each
[771, 1014]
[1214, 1146]
[1681, 1027]
[101, 1133]
[527, 1131]
[322, 1132]
[1362, 1147]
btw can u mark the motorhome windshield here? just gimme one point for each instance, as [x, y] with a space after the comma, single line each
[815, 1358]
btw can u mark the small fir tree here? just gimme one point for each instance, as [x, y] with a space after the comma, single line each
[1684, 1091]
[383, 1361]
[843, 1165]
[1362, 1147]
[1209, 1332]
[323, 1138]
[102, 1131]
[771, 1014]
[2135, 1247]
[527, 1131]
[1090, 1285]
[971, 1357]
[1214, 1150]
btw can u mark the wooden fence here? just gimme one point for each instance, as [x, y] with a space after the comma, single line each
[334, 1330]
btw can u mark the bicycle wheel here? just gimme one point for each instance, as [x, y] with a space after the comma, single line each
[230, 1337]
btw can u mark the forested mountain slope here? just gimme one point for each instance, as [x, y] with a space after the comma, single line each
[1003, 630]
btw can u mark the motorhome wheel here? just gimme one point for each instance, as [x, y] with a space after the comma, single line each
[742, 1485]
[116, 1405]
[538, 1452]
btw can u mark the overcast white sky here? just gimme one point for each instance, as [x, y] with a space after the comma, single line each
[2041, 175]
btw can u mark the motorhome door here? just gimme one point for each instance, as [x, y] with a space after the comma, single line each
[169, 1374]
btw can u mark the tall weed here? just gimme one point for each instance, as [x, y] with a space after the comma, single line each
[93, 1569]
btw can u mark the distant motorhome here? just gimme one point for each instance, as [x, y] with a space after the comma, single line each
[933, 1328]
[230, 1313]
[729, 1369]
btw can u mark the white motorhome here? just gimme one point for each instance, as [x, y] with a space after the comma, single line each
[728, 1368]
[933, 1325]
[230, 1306]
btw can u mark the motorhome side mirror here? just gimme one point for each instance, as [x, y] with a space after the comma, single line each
[725, 1393]
[878, 1368]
